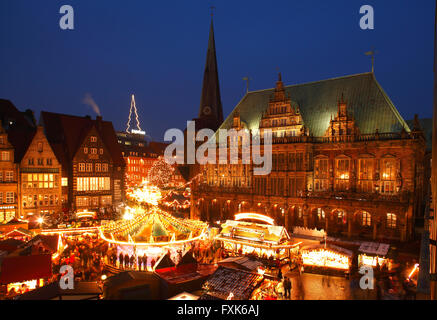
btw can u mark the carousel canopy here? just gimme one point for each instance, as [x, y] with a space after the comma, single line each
[153, 227]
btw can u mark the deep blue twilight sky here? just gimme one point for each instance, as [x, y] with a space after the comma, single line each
[157, 50]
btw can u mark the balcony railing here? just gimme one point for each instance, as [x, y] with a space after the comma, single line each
[347, 195]
[344, 138]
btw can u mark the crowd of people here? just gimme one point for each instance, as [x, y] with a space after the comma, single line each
[85, 254]
[393, 284]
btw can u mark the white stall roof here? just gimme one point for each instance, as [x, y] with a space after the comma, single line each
[379, 249]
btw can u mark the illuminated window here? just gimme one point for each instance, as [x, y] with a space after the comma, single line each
[5, 156]
[342, 174]
[106, 200]
[299, 213]
[81, 167]
[10, 197]
[95, 201]
[64, 182]
[93, 139]
[89, 167]
[98, 167]
[391, 220]
[341, 217]
[366, 219]
[101, 150]
[388, 175]
[9, 176]
[85, 150]
[105, 167]
[320, 214]
[321, 175]
[365, 175]
[93, 150]
[82, 201]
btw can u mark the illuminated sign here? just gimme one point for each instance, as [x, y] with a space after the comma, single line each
[134, 131]
[255, 216]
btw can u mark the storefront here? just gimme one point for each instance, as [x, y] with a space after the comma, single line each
[7, 213]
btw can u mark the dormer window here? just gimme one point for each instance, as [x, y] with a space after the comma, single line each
[5, 156]
[40, 147]
[93, 139]
[85, 150]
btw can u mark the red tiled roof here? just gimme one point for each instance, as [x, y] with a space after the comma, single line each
[66, 133]
[25, 268]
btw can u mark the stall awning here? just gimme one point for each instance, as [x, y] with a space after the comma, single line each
[25, 268]
[378, 249]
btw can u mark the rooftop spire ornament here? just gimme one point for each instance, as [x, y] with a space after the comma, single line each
[372, 53]
[133, 107]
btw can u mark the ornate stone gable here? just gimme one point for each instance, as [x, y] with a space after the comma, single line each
[283, 115]
[343, 124]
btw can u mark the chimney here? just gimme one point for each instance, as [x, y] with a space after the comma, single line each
[99, 122]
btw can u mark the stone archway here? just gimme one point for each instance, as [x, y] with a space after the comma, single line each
[318, 218]
[339, 220]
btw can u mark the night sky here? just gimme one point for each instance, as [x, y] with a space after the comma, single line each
[157, 51]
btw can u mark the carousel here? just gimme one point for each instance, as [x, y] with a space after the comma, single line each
[146, 230]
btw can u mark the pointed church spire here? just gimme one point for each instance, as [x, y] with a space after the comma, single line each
[210, 102]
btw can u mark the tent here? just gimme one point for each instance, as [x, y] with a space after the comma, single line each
[25, 268]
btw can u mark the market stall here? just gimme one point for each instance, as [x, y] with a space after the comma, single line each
[261, 240]
[231, 284]
[326, 259]
[373, 254]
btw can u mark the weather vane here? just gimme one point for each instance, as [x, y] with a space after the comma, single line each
[247, 79]
[372, 53]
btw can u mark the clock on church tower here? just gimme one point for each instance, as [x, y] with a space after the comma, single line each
[206, 110]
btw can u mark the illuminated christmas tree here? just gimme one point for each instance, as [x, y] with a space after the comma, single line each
[160, 173]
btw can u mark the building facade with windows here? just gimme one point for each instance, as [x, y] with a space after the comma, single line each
[138, 155]
[343, 160]
[91, 159]
[9, 205]
[40, 179]
[16, 132]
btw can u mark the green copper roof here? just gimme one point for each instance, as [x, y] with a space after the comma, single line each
[158, 230]
[318, 101]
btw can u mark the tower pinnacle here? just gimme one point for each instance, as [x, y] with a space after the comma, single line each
[211, 110]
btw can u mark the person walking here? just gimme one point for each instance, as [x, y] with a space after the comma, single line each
[131, 261]
[280, 274]
[140, 262]
[145, 262]
[126, 261]
[120, 260]
[287, 288]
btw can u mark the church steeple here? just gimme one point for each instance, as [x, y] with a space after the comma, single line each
[210, 103]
